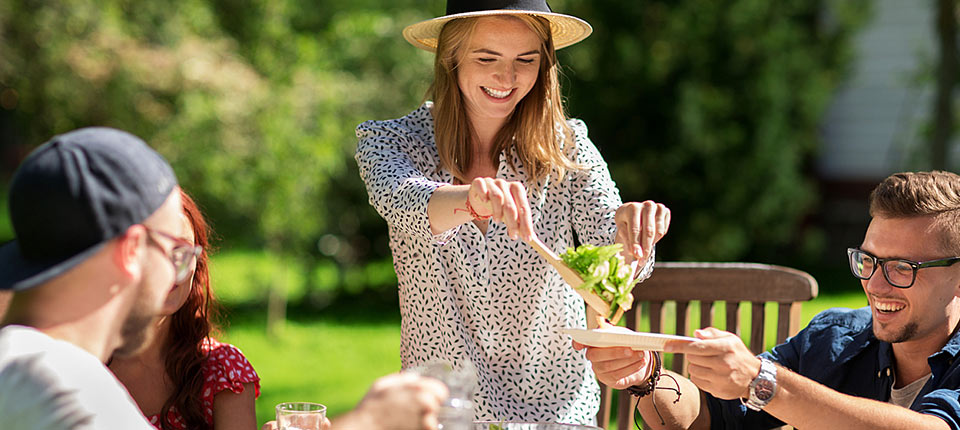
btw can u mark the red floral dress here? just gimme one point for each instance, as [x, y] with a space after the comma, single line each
[224, 369]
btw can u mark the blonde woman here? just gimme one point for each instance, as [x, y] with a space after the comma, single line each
[491, 160]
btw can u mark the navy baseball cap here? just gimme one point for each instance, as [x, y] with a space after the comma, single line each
[75, 193]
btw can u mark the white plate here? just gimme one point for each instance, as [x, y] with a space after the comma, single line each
[623, 337]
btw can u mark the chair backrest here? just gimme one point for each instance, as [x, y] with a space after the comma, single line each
[709, 283]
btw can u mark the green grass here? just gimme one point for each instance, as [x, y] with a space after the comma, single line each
[319, 360]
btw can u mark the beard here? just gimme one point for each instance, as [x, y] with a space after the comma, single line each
[907, 332]
[138, 328]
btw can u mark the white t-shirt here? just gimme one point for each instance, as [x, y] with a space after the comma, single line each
[49, 384]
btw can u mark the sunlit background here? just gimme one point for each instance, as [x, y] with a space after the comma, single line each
[763, 125]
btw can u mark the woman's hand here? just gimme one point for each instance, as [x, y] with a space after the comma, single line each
[505, 202]
[618, 367]
[640, 226]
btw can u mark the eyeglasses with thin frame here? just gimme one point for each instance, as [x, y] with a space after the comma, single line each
[898, 272]
[181, 254]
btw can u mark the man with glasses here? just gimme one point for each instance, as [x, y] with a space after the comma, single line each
[891, 365]
[96, 214]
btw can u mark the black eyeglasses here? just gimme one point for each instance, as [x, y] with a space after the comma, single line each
[181, 254]
[898, 272]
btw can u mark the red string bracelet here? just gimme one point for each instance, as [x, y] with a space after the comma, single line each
[472, 211]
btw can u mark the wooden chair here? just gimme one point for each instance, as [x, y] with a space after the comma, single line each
[709, 283]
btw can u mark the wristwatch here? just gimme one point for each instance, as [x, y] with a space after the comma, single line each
[763, 387]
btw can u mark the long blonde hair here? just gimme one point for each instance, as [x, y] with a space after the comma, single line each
[534, 128]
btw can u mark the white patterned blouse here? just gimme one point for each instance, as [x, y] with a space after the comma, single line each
[465, 295]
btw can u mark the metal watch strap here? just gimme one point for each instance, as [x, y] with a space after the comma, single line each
[763, 387]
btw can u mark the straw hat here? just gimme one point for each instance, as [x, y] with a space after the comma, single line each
[566, 29]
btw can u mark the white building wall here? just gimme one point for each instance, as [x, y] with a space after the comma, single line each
[874, 123]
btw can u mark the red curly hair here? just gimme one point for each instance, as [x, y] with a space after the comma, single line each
[190, 327]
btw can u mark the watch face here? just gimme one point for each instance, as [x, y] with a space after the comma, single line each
[764, 390]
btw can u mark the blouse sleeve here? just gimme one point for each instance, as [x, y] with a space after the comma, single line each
[397, 189]
[595, 196]
[229, 370]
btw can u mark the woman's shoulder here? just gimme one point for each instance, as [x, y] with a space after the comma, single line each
[214, 348]
[420, 121]
[582, 150]
[578, 126]
[226, 366]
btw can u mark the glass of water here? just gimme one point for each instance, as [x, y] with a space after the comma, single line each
[300, 416]
[457, 412]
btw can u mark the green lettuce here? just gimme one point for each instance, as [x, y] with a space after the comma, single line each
[604, 272]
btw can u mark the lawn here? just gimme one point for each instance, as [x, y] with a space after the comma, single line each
[317, 359]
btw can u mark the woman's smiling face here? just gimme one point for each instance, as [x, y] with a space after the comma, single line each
[499, 68]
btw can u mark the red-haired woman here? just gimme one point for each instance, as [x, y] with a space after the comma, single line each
[185, 375]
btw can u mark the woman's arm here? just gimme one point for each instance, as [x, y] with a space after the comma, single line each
[501, 200]
[235, 410]
[419, 206]
[599, 216]
[397, 188]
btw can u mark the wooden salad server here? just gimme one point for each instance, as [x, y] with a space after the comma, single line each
[572, 278]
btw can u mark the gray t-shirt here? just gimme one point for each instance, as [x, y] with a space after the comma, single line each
[49, 384]
[906, 395]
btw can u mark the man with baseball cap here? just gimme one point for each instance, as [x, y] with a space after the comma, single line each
[96, 214]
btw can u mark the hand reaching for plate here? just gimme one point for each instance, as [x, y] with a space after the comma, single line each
[619, 367]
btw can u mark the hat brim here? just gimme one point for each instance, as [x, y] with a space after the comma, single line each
[19, 274]
[566, 29]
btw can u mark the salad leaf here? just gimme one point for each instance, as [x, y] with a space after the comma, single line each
[604, 273]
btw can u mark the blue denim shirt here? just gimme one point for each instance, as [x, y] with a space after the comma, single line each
[838, 349]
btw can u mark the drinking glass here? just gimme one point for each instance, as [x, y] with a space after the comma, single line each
[456, 413]
[300, 416]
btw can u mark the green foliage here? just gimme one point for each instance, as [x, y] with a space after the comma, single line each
[712, 107]
[242, 277]
[6, 229]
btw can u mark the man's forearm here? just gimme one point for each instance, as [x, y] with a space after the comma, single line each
[688, 413]
[804, 403]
